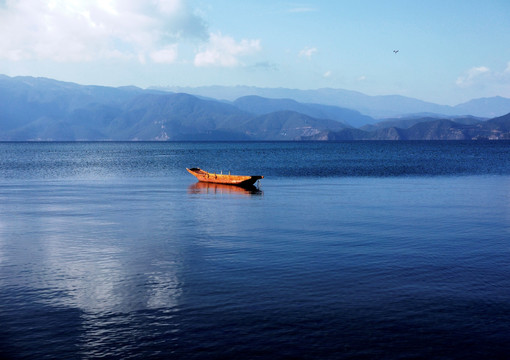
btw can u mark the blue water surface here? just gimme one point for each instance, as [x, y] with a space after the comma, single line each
[371, 250]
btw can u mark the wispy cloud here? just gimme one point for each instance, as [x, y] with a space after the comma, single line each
[472, 76]
[225, 51]
[307, 52]
[76, 31]
[166, 55]
[81, 31]
[493, 82]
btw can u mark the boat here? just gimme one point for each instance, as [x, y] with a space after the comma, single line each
[238, 180]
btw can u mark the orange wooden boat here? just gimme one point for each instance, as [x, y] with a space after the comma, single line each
[239, 180]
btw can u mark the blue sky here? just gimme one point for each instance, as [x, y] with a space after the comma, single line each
[450, 51]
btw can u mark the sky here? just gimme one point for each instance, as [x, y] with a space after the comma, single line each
[449, 51]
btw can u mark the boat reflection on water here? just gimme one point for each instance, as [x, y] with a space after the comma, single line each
[212, 188]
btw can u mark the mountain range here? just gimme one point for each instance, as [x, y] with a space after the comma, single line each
[428, 129]
[40, 109]
[378, 107]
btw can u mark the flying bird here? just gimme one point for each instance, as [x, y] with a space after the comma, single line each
[395, 51]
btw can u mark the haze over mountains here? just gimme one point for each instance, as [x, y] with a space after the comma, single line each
[49, 110]
[375, 106]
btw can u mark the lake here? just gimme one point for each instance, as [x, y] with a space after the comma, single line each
[365, 250]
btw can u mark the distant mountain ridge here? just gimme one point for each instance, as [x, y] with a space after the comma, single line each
[48, 110]
[382, 106]
[39, 109]
[260, 106]
[285, 125]
[439, 129]
[405, 123]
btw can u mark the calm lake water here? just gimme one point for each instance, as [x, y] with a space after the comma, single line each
[371, 250]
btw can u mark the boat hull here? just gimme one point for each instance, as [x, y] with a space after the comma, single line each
[238, 180]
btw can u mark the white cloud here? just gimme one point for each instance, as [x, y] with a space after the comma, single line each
[166, 55]
[472, 76]
[487, 81]
[86, 30]
[327, 74]
[307, 52]
[225, 51]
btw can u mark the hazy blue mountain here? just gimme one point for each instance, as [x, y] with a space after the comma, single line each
[177, 117]
[375, 106]
[64, 95]
[499, 124]
[485, 107]
[442, 129]
[29, 104]
[436, 130]
[287, 125]
[45, 109]
[349, 134]
[406, 123]
[259, 105]
[495, 129]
